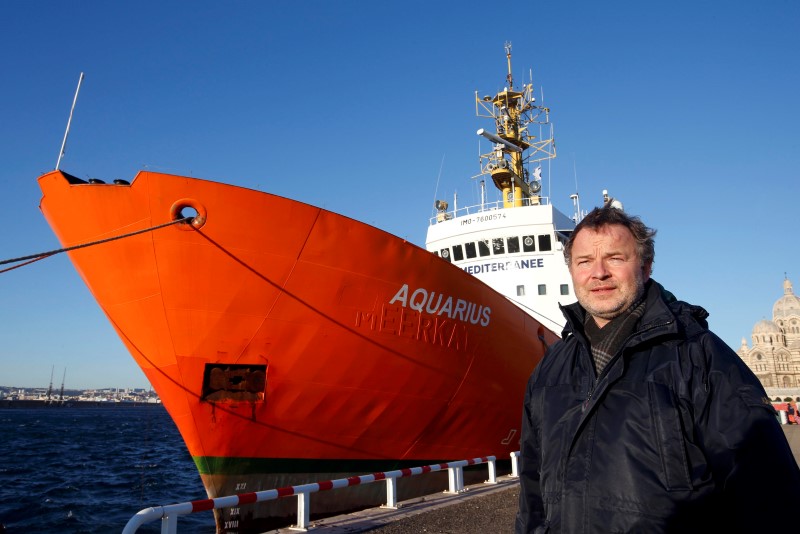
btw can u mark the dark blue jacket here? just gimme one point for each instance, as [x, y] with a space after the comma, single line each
[675, 435]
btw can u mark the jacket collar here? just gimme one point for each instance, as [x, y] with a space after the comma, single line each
[660, 316]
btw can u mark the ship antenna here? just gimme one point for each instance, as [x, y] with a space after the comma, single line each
[69, 122]
[508, 58]
[552, 136]
[436, 191]
[576, 199]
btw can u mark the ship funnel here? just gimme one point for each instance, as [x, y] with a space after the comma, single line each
[499, 140]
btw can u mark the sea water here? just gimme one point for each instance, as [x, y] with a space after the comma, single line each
[89, 470]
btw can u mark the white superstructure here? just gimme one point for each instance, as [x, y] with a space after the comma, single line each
[517, 251]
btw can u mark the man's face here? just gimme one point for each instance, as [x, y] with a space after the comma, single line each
[607, 272]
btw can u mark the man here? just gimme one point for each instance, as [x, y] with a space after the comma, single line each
[640, 419]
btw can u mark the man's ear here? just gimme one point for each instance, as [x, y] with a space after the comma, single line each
[646, 270]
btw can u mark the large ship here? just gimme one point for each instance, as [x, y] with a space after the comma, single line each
[292, 344]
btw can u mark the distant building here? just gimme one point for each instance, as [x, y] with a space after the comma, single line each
[775, 354]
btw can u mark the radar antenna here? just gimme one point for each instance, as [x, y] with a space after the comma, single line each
[508, 58]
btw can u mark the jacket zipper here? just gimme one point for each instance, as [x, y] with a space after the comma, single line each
[608, 365]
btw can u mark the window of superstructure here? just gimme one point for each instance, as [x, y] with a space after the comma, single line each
[458, 253]
[529, 243]
[520, 291]
[483, 248]
[545, 243]
[498, 245]
[565, 289]
[513, 244]
[445, 253]
[470, 248]
[542, 289]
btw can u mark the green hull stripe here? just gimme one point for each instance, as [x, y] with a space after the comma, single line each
[220, 465]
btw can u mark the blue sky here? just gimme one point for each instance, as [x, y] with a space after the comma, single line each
[685, 110]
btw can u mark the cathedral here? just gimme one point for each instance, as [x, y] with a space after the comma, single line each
[775, 354]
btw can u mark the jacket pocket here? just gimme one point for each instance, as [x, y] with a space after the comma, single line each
[672, 447]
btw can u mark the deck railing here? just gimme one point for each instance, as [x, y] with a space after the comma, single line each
[169, 514]
[476, 209]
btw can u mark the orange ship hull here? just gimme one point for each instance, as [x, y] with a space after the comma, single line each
[291, 344]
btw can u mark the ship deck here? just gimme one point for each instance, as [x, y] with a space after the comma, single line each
[482, 508]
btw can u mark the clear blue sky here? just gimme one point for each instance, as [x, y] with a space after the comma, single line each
[686, 110]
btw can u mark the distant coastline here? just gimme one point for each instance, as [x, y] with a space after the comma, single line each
[56, 404]
[16, 397]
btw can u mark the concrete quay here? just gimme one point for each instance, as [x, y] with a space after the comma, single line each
[482, 509]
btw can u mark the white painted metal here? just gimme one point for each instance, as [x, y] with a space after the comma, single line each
[455, 476]
[169, 514]
[391, 493]
[492, 473]
[507, 272]
[515, 464]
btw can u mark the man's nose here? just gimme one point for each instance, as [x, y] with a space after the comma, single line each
[599, 270]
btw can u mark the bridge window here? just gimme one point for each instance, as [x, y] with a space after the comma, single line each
[483, 247]
[499, 245]
[564, 289]
[470, 248]
[513, 244]
[458, 253]
[542, 289]
[529, 243]
[520, 291]
[545, 243]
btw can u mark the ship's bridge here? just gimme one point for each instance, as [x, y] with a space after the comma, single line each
[517, 251]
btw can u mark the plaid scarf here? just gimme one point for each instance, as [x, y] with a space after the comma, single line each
[607, 341]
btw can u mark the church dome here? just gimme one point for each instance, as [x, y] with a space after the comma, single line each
[766, 327]
[788, 304]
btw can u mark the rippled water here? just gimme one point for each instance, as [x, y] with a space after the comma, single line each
[89, 470]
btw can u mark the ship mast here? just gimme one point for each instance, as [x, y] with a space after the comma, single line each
[50, 387]
[514, 145]
[63, 377]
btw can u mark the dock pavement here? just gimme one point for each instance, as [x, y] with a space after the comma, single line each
[481, 509]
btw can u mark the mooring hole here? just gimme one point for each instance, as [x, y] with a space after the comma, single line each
[187, 211]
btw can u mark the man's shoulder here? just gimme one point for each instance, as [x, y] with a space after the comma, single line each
[560, 354]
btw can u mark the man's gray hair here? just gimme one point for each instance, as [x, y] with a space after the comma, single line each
[607, 215]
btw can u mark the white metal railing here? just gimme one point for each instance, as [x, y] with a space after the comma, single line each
[515, 464]
[169, 514]
[495, 205]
